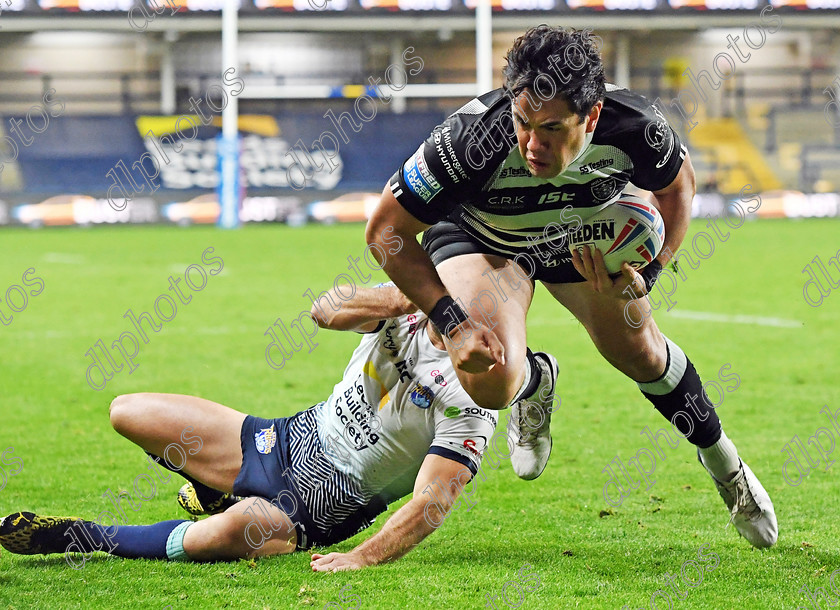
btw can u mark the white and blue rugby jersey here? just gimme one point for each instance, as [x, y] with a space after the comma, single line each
[397, 374]
[470, 172]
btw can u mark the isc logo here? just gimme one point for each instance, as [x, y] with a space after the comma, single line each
[4, 461]
[555, 196]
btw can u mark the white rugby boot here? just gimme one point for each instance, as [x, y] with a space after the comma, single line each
[749, 505]
[529, 423]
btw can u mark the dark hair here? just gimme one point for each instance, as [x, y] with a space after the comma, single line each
[555, 61]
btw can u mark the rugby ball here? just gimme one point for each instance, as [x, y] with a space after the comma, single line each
[629, 229]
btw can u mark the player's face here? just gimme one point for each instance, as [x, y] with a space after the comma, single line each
[550, 135]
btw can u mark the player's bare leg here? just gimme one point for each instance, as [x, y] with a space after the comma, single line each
[497, 292]
[481, 282]
[253, 527]
[156, 421]
[668, 379]
[208, 435]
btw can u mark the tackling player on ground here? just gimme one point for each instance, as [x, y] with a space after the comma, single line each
[552, 147]
[400, 420]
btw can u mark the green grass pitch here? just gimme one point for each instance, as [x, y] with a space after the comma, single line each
[585, 555]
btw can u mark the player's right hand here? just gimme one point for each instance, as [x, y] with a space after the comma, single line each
[476, 348]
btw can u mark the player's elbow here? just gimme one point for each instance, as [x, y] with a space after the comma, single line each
[378, 220]
[325, 317]
[372, 230]
[375, 234]
[686, 181]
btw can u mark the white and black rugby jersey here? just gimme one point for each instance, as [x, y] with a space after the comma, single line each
[398, 374]
[470, 172]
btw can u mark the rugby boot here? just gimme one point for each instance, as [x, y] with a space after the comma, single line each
[26, 533]
[530, 420]
[750, 508]
[188, 500]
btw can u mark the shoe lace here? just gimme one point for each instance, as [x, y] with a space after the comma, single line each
[744, 502]
[529, 414]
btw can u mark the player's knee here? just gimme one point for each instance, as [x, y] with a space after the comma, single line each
[122, 409]
[117, 410]
[495, 389]
[231, 538]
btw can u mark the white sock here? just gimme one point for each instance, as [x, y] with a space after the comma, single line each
[722, 459]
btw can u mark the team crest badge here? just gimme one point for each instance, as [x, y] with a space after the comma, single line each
[603, 189]
[265, 440]
[422, 396]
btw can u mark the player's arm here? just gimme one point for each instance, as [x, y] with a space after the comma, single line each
[363, 311]
[476, 348]
[409, 525]
[410, 268]
[674, 204]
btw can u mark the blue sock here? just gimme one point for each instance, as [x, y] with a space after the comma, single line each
[162, 540]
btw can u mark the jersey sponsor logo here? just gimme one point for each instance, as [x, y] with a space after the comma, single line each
[452, 412]
[479, 414]
[444, 156]
[507, 201]
[470, 445]
[419, 178]
[515, 172]
[439, 379]
[595, 166]
[412, 324]
[389, 342]
[265, 439]
[602, 229]
[604, 189]
[402, 368]
[355, 413]
[555, 197]
[422, 396]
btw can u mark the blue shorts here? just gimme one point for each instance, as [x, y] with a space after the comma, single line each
[284, 455]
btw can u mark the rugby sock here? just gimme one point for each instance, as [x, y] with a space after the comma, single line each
[175, 543]
[679, 396]
[532, 377]
[164, 540]
[722, 459]
[206, 495]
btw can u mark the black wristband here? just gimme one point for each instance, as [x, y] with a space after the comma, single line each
[650, 273]
[443, 322]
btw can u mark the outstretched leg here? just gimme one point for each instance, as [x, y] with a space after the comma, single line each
[201, 440]
[667, 378]
[253, 527]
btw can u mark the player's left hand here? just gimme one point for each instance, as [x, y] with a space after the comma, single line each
[336, 562]
[591, 266]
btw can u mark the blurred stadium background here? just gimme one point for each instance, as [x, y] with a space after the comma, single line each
[771, 124]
